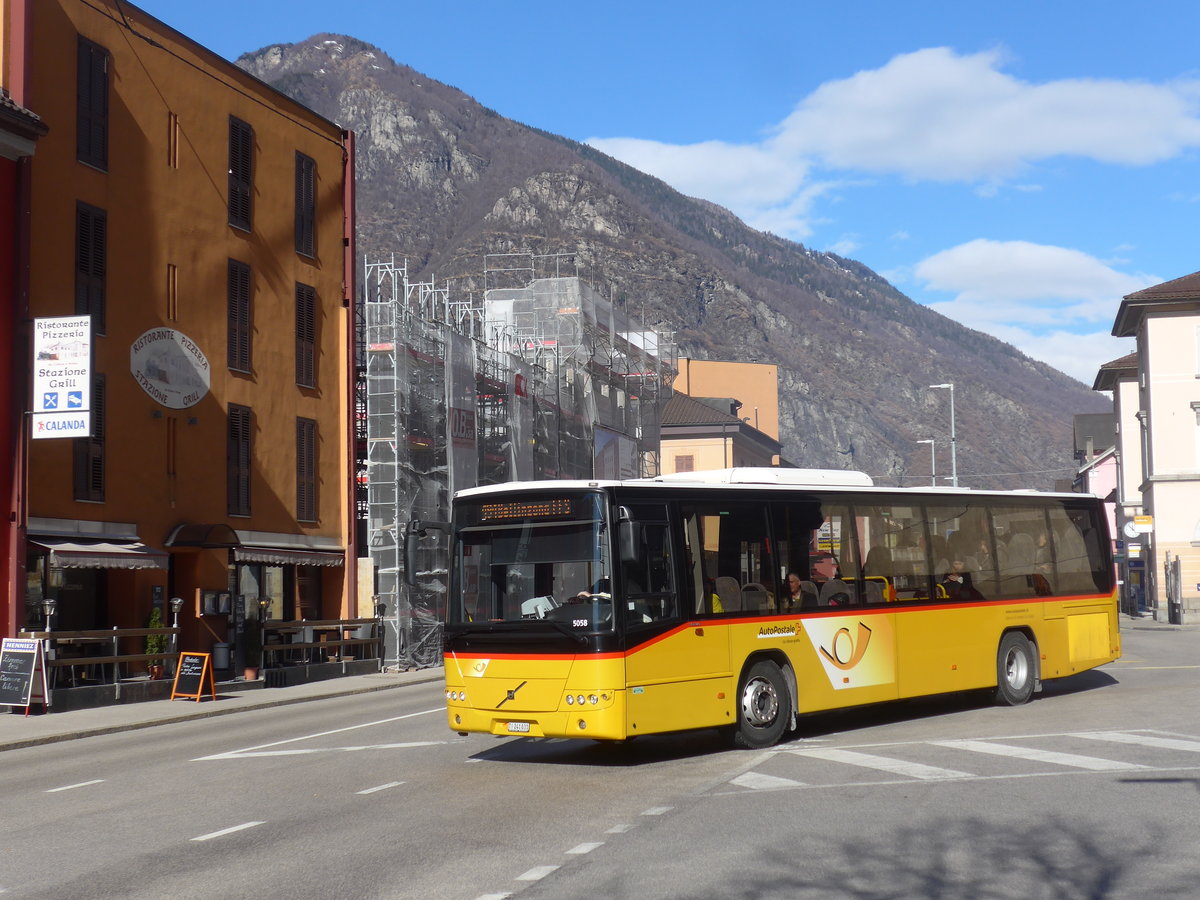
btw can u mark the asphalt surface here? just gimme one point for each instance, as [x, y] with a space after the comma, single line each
[18, 730]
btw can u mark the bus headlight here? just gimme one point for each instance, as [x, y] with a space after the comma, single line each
[593, 699]
[570, 700]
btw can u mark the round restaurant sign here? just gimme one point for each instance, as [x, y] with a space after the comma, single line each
[170, 367]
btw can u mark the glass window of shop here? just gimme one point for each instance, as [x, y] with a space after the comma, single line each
[292, 592]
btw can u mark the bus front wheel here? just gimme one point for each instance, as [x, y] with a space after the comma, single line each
[1015, 669]
[763, 707]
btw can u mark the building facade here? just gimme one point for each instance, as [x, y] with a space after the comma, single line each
[701, 434]
[1165, 321]
[202, 223]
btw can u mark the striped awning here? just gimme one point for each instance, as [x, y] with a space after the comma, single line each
[275, 556]
[101, 554]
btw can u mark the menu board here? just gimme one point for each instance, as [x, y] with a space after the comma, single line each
[22, 673]
[190, 676]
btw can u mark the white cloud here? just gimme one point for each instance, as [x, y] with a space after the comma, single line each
[936, 115]
[1047, 301]
[1078, 355]
[928, 115]
[738, 176]
[845, 246]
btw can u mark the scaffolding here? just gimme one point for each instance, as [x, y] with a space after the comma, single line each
[544, 379]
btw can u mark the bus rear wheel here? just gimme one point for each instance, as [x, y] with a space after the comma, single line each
[764, 707]
[1015, 669]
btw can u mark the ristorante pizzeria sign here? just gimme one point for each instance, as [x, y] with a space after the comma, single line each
[62, 377]
[170, 367]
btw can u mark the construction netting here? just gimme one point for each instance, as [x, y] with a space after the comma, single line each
[546, 380]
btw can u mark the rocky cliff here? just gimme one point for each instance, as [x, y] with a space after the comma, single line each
[444, 181]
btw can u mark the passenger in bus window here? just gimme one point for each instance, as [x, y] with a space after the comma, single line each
[795, 595]
[957, 583]
[823, 567]
[831, 590]
[800, 592]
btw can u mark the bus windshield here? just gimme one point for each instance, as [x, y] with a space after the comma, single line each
[535, 560]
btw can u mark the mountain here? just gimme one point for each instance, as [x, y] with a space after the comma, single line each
[442, 181]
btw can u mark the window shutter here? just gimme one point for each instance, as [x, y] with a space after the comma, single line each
[237, 457]
[91, 251]
[238, 287]
[306, 335]
[241, 173]
[91, 104]
[306, 470]
[88, 451]
[306, 172]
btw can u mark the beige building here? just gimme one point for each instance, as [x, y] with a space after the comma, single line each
[701, 434]
[1157, 403]
[723, 415]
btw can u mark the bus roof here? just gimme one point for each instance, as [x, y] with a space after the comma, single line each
[816, 479]
[769, 475]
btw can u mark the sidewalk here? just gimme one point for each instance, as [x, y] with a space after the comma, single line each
[17, 730]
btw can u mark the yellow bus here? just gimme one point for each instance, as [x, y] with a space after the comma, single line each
[744, 598]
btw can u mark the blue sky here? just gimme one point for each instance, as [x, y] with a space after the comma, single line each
[1018, 166]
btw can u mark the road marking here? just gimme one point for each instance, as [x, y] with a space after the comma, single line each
[309, 737]
[256, 754]
[1156, 668]
[225, 831]
[537, 873]
[620, 829]
[657, 810]
[758, 782]
[1141, 740]
[1073, 760]
[382, 787]
[503, 896]
[70, 787]
[581, 849]
[884, 764]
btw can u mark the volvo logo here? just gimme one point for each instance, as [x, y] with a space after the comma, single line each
[512, 694]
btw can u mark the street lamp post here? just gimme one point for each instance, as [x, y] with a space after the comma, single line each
[176, 606]
[953, 438]
[49, 607]
[932, 460]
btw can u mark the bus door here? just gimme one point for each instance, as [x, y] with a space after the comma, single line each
[677, 663]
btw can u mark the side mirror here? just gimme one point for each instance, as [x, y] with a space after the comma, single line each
[416, 530]
[629, 539]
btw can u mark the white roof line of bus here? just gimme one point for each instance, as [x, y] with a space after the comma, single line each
[677, 482]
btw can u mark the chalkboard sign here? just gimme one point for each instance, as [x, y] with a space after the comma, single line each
[190, 676]
[22, 673]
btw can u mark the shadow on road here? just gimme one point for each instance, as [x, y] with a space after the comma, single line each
[964, 859]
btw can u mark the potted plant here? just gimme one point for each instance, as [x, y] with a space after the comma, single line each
[252, 652]
[155, 644]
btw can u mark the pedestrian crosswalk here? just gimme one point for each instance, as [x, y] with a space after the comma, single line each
[814, 764]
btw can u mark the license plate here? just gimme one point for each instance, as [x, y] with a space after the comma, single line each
[518, 727]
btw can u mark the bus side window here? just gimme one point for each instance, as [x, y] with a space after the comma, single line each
[1026, 563]
[731, 566]
[897, 552]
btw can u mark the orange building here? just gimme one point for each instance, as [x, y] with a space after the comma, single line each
[204, 223]
[756, 385]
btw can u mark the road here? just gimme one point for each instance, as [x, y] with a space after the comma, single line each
[1090, 791]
